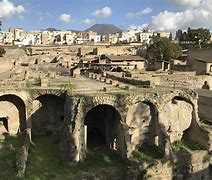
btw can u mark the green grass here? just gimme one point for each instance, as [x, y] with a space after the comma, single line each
[147, 153]
[178, 145]
[44, 162]
[33, 82]
[8, 157]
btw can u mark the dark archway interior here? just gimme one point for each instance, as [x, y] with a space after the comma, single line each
[20, 105]
[49, 117]
[4, 121]
[102, 127]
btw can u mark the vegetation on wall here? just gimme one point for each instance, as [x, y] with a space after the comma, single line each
[178, 145]
[147, 153]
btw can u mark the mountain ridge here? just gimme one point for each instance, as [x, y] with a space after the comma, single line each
[103, 29]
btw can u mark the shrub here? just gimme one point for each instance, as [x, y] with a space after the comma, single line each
[141, 156]
[147, 153]
[178, 145]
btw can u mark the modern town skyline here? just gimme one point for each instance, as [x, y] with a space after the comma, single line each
[164, 15]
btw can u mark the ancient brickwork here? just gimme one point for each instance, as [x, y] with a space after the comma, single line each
[187, 103]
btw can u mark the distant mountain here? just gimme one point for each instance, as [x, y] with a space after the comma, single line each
[72, 30]
[103, 29]
[50, 29]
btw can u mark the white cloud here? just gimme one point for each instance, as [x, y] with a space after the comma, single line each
[8, 9]
[143, 26]
[187, 3]
[196, 17]
[102, 13]
[88, 21]
[65, 18]
[139, 13]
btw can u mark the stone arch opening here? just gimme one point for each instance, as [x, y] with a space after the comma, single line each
[103, 128]
[144, 128]
[48, 116]
[13, 113]
[177, 117]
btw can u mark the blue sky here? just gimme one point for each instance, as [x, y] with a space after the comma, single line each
[166, 15]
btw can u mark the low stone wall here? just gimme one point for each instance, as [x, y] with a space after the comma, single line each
[22, 154]
[181, 68]
[129, 81]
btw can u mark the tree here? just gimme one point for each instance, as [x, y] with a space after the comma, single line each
[2, 51]
[179, 35]
[163, 49]
[184, 37]
[199, 35]
[170, 36]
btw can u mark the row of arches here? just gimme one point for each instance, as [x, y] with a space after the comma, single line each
[145, 125]
[103, 123]
[47, 116]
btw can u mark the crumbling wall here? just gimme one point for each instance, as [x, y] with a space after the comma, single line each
[72, 140]
[191, 165]
[176, 117]
[143, 124]
[171, 118]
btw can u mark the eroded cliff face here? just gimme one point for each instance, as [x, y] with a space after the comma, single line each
[176, 118]
[142, 120]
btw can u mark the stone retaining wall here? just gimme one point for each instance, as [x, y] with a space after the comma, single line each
[129, 81]
[22, 154]
[72, 141]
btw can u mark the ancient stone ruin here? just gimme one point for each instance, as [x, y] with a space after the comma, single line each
[92, 113]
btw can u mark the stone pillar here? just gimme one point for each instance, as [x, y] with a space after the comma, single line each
[168, 67]
[72, 136]
[85, 132]
[90, 75]
[162, 66]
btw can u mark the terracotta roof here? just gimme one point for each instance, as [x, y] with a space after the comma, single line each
[125, 58]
